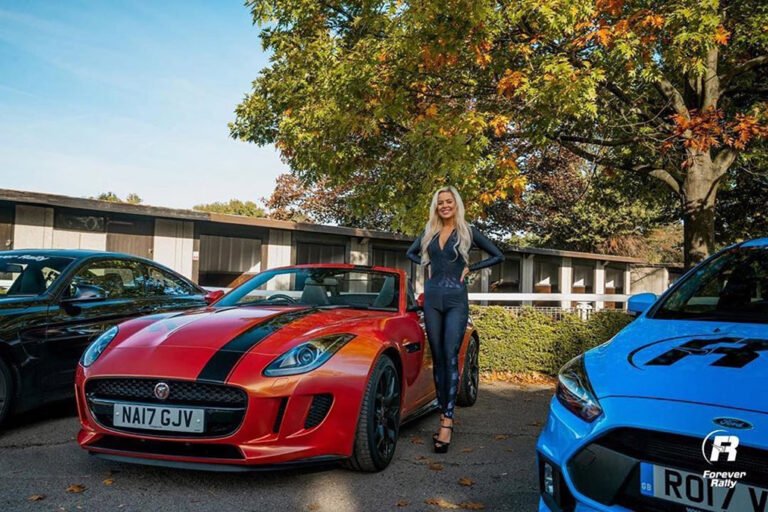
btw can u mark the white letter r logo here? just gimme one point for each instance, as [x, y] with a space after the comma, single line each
[724, 444]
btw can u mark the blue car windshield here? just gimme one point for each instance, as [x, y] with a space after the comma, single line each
[321, 286]
[732, 287]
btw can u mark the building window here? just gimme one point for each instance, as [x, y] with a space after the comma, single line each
[79, 222]
[546, 276]
[391, 257]
[308, 252]
[583, 277]
[227, 260]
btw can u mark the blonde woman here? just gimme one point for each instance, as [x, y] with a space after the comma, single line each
[444, 245]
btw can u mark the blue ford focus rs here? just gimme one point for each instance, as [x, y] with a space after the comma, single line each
[672, 413]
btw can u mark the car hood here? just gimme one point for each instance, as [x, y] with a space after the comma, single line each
[206, 343]
[713, 363]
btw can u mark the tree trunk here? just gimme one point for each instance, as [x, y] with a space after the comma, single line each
[698, 198]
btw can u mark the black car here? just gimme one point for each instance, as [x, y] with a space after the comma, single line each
[54, 302]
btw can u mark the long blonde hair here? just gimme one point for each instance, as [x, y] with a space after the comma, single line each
[435, 224]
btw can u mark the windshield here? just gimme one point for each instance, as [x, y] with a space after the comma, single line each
[732, 287]
[328, 287]
[29, 274]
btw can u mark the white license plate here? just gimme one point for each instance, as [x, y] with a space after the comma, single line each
[694, 491]
[174, 419]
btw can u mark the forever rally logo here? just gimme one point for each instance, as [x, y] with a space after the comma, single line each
[723, 448]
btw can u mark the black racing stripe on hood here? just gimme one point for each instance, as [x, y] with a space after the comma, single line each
[221, 364]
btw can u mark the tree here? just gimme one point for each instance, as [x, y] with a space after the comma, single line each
[400, 96]
[111, 197]
[741, 212]
[569, 204]
[233, 207]
[291, 200]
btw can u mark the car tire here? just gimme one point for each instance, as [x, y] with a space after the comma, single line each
[379, 423]
[470, 377]
[7, 390]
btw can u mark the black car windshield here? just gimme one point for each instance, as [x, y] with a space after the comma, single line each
[732, 287]
[325, 287]
[29, 274]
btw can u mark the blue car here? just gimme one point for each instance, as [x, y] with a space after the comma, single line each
[672, 413]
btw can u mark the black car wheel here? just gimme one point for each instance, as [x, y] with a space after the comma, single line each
[6, 390]
[470, 377]
[379, 423]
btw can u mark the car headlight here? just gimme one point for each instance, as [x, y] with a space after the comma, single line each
[95, 349]
[575, 392]
[307, 356]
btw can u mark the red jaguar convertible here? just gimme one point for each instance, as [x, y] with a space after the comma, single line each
[301, 364]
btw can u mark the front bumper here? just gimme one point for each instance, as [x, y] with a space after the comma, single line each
[304, 419]
[595, 467]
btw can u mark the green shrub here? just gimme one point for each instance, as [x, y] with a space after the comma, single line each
[531, 340]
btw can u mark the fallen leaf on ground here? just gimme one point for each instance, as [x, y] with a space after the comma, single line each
[422, 457]
[76, 488]
[403, 503]
[436, 466]
[467, 450]
[108, 481]
[466, 481]
[417, 440]
[501, 437]
[440, 502]
[37, 497]
[313, 506]
[471, 505]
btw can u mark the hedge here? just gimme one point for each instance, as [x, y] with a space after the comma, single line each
[531, 341]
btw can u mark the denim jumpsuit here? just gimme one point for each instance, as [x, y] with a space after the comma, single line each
[446, 307]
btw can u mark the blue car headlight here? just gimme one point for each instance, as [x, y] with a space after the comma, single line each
[95, 349]
[575, 392]
[307, 356]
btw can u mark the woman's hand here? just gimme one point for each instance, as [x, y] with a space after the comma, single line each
[464, 273]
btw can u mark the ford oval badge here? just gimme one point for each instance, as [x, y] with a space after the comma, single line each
[733, 423]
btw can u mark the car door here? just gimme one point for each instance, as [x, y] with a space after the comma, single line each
[168, 291]
[417, 354]
[101, 293]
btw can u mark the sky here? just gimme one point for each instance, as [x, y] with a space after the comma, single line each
[130, 96]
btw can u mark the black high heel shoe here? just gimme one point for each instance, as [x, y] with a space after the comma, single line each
[442, 446]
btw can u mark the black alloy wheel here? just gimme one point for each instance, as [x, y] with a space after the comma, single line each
[379, 423]
[470, 377]
[6, 390]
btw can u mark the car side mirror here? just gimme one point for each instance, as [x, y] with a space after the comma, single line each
[640, 303]
[84, 292]
[213, 295]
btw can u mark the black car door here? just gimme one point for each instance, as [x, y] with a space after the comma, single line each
[167, 291]
[101, 293]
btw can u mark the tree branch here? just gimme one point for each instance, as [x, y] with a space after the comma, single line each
[611, 143]
[669, 91]
[650, 170]
[723, 161]
[742, 68]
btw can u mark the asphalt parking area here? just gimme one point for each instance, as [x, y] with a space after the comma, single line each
[490, 466]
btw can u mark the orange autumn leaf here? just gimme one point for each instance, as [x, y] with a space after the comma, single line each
[440, 502]
[722, 35]
[510, 83]
[612, 7]
[76, 488]
[499, 124]
[471, 505]
[653, 21]
[436, 466]
[466, 481]
[36, 497]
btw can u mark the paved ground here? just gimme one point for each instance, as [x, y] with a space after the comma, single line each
[494, 448]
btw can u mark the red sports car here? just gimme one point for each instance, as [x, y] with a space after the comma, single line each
[300, 364]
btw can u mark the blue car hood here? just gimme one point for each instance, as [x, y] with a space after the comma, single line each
[724, 364]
